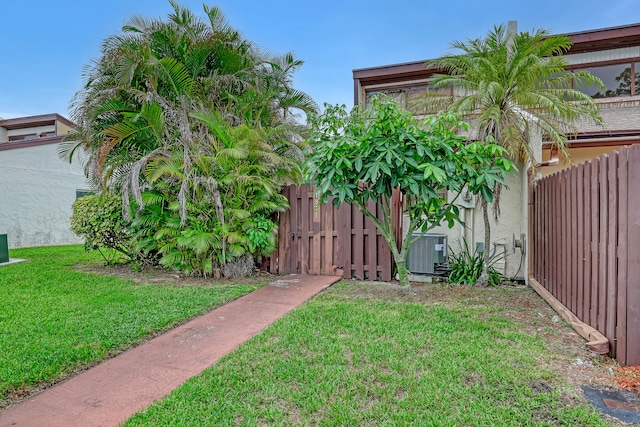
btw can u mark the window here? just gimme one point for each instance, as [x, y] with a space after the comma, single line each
[617, 79]
[22, 137]
[82, 193]
[413, 97]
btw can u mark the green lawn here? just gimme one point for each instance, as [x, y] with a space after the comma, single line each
[348, 358]
[55, 320]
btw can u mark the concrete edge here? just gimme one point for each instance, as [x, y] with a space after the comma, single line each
[596, 342]
[12, 261]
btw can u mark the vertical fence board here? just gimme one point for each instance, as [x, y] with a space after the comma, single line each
[561, 279]
[587, 243]
[573, 223]
[536, 230]
[345, 252]
[621, 312]
[305, 213]
[372, 249]
[602, 243]
[296, 228]
[565, 285]
[357, 241]
[557, 239]
[314, 238]
[547, 233]
[593, 309]
[633, 257]
[580, 211]
[533, 238]
[612, 227]
[567, 220]
[326, 239]
[551, 195]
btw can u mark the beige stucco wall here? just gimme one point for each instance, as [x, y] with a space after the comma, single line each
[578, 155]
[63, 129]
[622, 113]
[37, 190]
[510, 223]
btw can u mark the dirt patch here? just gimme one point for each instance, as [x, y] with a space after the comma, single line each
[162, 276]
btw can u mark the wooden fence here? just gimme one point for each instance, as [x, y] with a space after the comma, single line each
[320, 239]
[585, 231]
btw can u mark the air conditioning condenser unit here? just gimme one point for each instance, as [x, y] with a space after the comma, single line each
[426, 253]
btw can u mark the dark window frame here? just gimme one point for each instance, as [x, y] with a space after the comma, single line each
[633, 63]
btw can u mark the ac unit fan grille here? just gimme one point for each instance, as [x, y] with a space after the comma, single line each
[426, 252]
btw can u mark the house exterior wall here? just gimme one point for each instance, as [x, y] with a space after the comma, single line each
[37, 191]
[510, 224]
[603, 55]
[37, 130]
[614, 48]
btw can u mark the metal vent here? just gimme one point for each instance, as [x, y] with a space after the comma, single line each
[426, 252]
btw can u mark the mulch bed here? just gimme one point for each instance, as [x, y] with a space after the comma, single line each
[628, 378]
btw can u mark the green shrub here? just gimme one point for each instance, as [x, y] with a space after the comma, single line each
[466, 266]
[262, 234]
[98, 219]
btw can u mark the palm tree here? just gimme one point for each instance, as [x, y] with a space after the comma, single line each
[144, 98]
[511, 86]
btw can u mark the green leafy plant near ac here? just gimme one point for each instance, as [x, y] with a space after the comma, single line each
[368, 153]
[466, 266]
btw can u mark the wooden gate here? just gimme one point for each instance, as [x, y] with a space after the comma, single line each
[585, 236]
[317, 238]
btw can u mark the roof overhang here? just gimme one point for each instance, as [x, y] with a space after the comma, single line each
[31, 142]
[583, 41]
[34, 121]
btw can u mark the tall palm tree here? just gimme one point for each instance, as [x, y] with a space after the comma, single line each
[511, 86]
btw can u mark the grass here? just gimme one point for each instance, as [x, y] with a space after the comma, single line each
[55, 320]
[348, 358]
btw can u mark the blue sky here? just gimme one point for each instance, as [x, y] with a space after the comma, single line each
[46, 44]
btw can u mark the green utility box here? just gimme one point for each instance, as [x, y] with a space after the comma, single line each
[4, 249]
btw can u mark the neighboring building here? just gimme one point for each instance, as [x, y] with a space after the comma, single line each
[37, 188]
[612, 54]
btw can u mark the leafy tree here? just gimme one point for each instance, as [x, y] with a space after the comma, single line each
[189, 108]
[365, 154]
[512, 86]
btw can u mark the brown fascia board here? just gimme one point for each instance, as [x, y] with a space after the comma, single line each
[605, 38]
[583, 41]
[34, 121]
[601, 139]
[30, 142]
[394, 72]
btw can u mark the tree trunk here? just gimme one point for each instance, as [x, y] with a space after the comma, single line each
[403, 273]
[483, 280]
